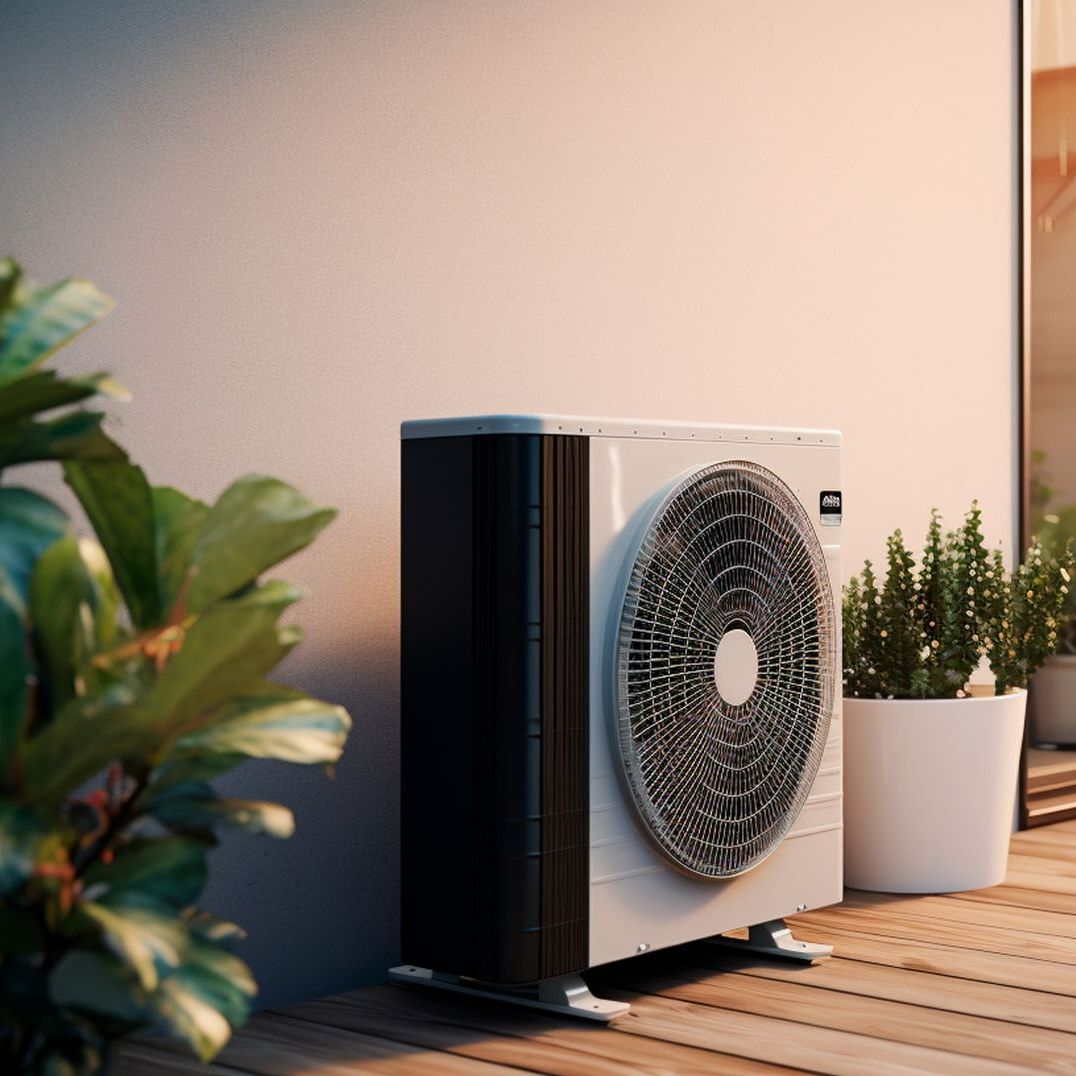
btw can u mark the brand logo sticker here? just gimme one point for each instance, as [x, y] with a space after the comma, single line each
[829, 507]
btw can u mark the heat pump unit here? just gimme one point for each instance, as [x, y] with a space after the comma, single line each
[620, 695]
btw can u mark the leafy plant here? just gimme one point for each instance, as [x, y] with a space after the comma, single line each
[133, 671]
[922, 633]
[1055, 527]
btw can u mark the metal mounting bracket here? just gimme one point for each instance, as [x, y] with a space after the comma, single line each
[775, 939]
[567, 994]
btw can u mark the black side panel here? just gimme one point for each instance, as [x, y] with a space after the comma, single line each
[436, 704]
[494, 704]
[565, 704]
[507, 699]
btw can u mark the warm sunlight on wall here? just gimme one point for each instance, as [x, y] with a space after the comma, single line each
[321, 218]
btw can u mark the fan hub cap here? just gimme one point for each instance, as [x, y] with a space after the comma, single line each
[736, 667]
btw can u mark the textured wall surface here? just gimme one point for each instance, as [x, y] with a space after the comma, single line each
[321, 218]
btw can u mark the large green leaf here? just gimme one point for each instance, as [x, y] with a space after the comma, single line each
[69, 1045]
[29, 524]
[228, 650]
[21, 837]
[174, 971]
[197, 806]
[219, 977]
[179, 770]
[291, 730]
[147, 941]
[81, 740]
[38, 321]
[186, 1013]
[177, 521]
[21, 931]
[106, 594]
[160, 873]
[45, 389]
[119, 503]
[62, 603]
[10, 276]
[14, 672]
[256, 523]
[165, 970]
[74, 436]
[24, 999]
[211, 928]
[98, 983]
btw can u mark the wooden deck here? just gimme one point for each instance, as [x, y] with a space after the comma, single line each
[1051, 786]
[975, 983]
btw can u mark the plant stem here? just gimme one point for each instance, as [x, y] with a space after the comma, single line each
[116, 823]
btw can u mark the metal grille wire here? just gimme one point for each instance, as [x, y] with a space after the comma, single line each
[717, 785]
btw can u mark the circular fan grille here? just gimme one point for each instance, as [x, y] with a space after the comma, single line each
[731, 553]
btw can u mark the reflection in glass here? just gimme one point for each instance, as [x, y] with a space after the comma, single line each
[1051, 775]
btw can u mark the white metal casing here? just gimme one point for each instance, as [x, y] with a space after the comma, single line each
[638, 900]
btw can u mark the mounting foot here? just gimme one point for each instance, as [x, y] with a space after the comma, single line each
[567, 994]
[775, 939]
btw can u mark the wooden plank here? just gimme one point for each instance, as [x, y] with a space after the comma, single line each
[788, 1042]
[1054, 836]
[1044, 883]
[134, 1058]
[1060, 777]
[1035, 1008]
[1021, 972]
[1065, 827]
[1020, 859]
[277, 1045]
[473, 1027]
[1041, 761]
[883, 1020]
[987, 939]
[1030, 846]
[1045, 784]
[1054, 804]
[1036, 921]
[1049, 813]
[1018, 898]
[1050, 769]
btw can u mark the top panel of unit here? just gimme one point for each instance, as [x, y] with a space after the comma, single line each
[586, 426]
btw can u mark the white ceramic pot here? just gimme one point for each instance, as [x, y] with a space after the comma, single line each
[929, 787]
[1053, 701]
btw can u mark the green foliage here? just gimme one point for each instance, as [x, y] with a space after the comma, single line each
[925, 632]
[899, 631]
[133, 672]
[1025, 625]
[1054, 527]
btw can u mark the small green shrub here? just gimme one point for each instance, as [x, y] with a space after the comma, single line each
[923, 632]
[1054, 526]
[133, 671]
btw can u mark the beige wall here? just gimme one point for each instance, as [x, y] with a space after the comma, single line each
[322, 218]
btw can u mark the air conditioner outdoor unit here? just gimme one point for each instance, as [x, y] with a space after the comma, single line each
[620, 695]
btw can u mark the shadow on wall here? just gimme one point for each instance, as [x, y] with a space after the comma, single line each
[342, 865]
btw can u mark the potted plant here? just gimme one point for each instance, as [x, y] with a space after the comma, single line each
[133, 671]
[931, 762]
[1053, 687]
